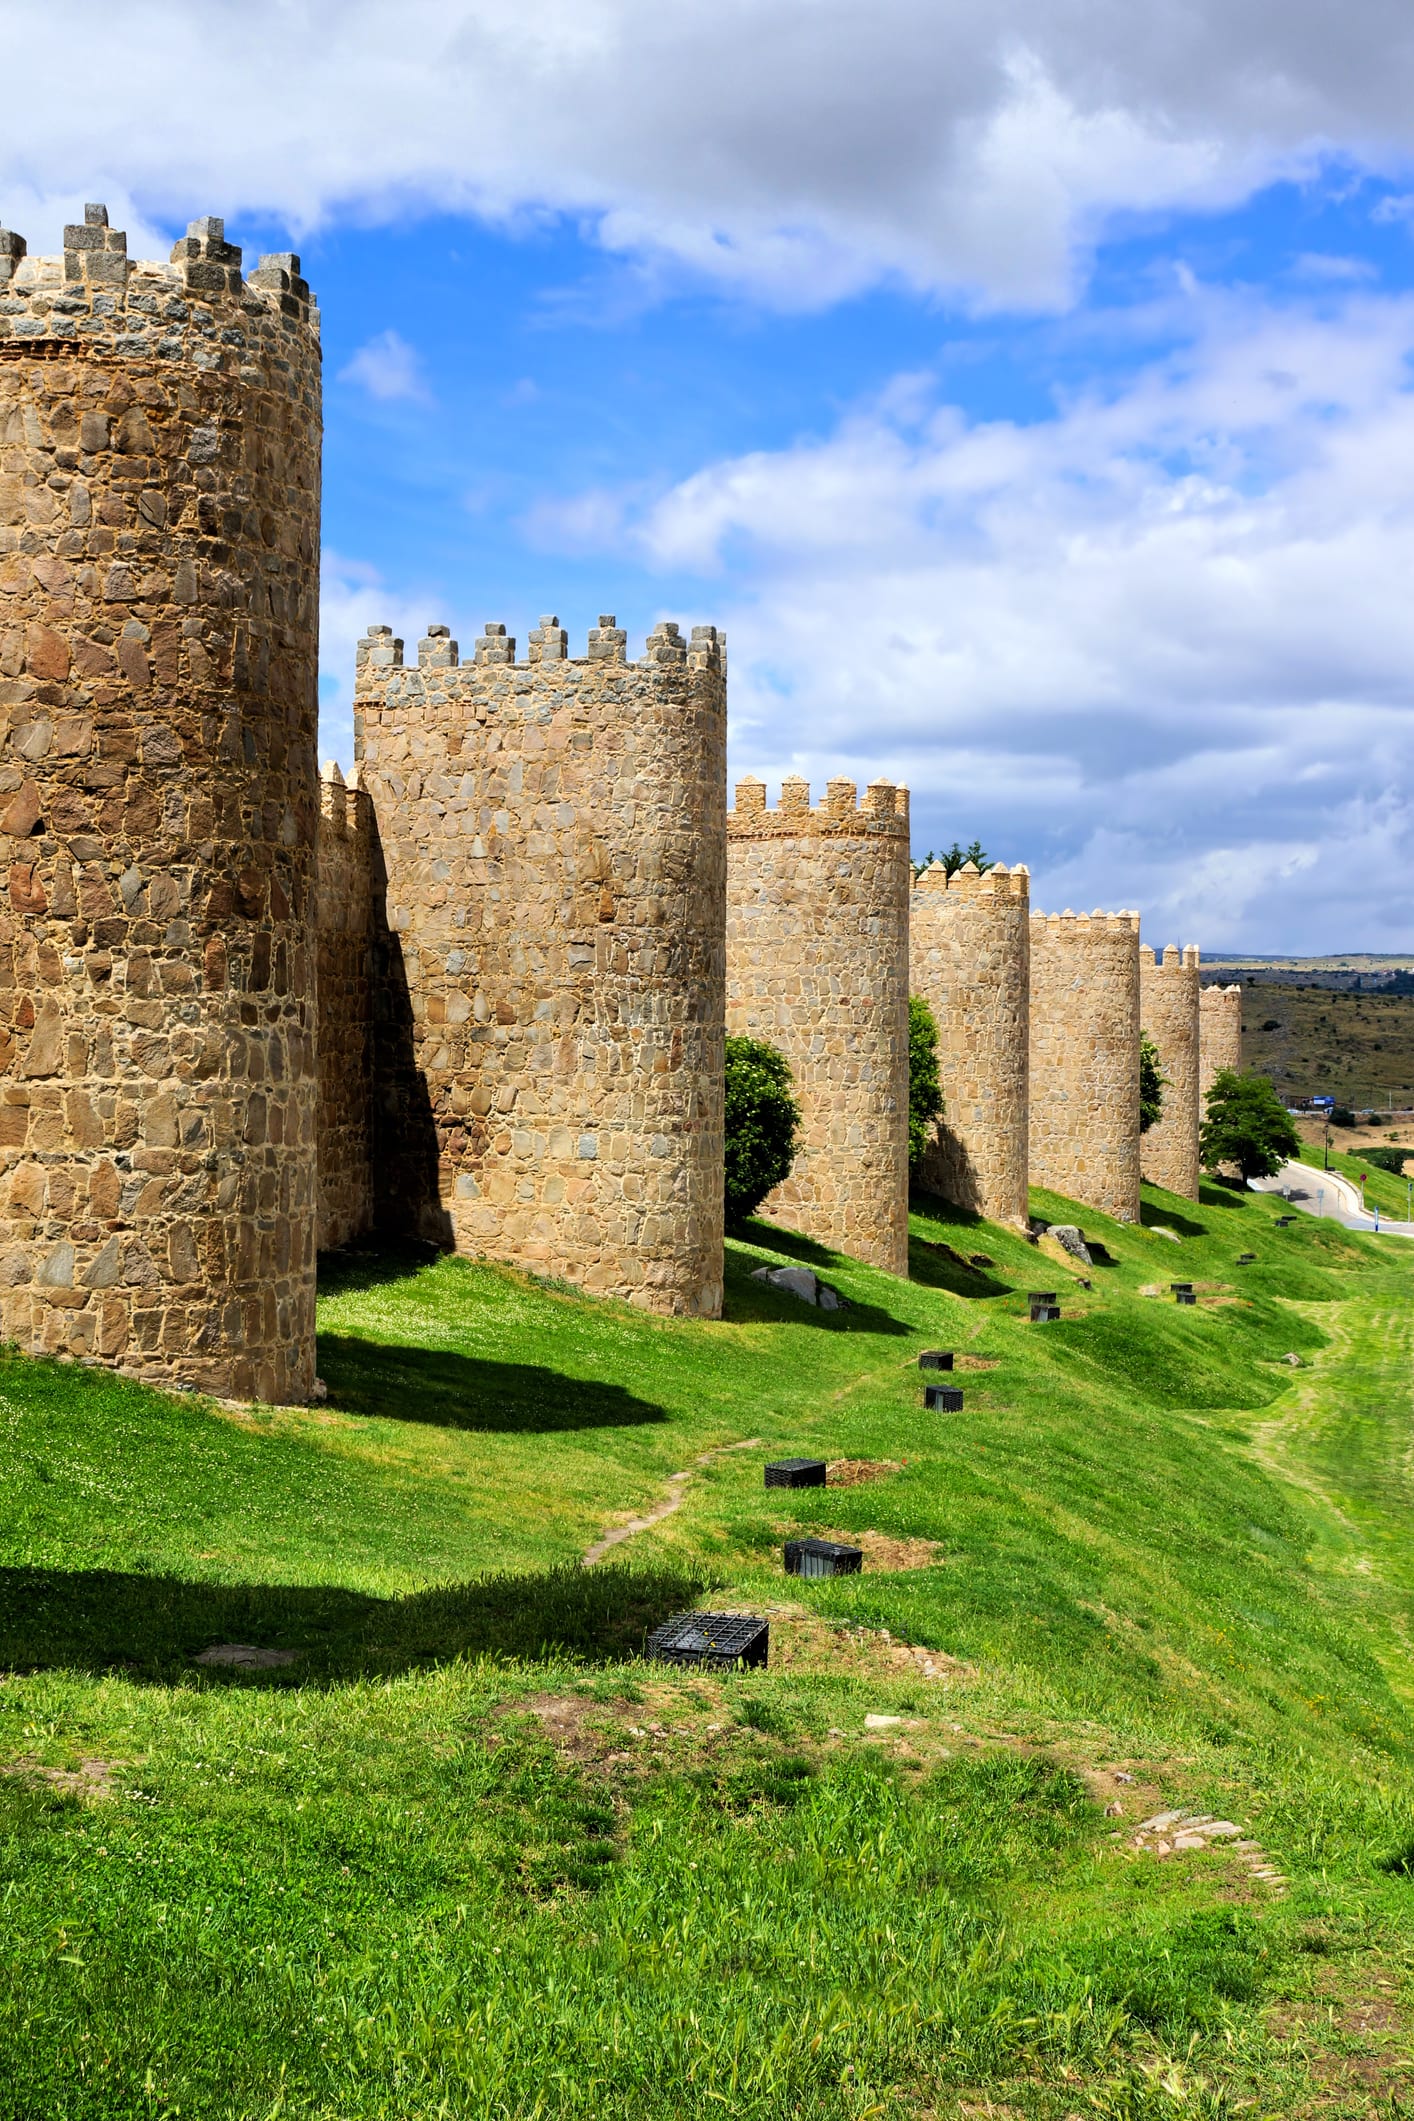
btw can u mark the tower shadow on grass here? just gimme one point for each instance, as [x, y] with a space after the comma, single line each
[390, 1381]
[152, 1628]
[749, 1300]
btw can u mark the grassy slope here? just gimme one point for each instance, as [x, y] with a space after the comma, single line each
[461, 1859]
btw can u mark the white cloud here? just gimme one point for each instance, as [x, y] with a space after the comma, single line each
[389, 370]
[793, 149]
[1160, 644]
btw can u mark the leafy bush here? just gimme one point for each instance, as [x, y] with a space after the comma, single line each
[1152, 1083]
[762, 1118]
[1246, 1124]
[1391, 1160]
[1342, 1116]
[925, 1092]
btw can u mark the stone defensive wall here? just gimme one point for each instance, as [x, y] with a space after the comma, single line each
[548, 952]
[1219, 1034]
[970, 958]
[817, 964]
[344, 925]
[1084, 1134]
[1169, 1008]
[159, 540]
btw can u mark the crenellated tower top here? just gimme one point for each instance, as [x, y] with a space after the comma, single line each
[93, 284]
[998, 882]
[884, 810]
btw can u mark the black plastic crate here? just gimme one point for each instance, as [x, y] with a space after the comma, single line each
[1042, 1296]
[1284, 1222]
[943, 1399]
[796, 1473]
[1246, 1259]
[1044, 1314]
[822, 1557]
[721, 1639]
[935, 1359]
[1181, 1288]
[1184, 1296]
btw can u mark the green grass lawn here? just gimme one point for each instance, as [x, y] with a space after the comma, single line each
[1383, 1189]
[467, 1855]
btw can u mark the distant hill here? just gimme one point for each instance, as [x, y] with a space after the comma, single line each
[1320, 1027]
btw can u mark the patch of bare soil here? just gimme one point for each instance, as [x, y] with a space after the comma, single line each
[91, 1780]
[975, 1362]
[854, 1472]
[880, 1549]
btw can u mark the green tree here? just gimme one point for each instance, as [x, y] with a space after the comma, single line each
[1246, 1124]
[762, 1119]
[957, 858]
[925, 1092]
[1152, 1083]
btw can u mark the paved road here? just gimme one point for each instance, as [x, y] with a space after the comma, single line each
[1327, 1194]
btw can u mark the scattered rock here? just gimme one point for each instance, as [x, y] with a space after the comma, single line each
[318, 1392]
[1162, 1230]
[804, 1283]
[1068, 1234]
[1114, 1811]
[1120, 1776]
[245, 1656]
[980, 1259]
[880, 1723]
[1181, 1833]
[1294, 1362]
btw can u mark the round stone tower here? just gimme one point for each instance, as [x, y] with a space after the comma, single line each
[1219, 1034]
[159, 538]
[1084, 1133]
[817, 965]
[1168, 1008]
[970, 958]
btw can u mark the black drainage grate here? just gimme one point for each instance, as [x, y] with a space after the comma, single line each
[822, 1557]
[1184, 1296]
[1042, 1296]
[1246, 1259]
[796, 1473]
[935, 1359]
[1181, 1288]
[711, 1638]
[943, 1399]
[1044, 1314]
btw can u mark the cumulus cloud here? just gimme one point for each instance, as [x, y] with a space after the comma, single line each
[796, 150]
[1160, 644]
[389, 370]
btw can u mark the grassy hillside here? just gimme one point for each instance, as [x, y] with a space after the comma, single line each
[1311, 1041]
[464, 1855]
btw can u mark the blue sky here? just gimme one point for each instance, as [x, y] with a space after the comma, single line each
[1027, 389]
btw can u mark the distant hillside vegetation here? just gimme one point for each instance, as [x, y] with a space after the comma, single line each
[1308, 1039]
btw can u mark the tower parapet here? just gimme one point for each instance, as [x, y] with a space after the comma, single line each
[1169, 1012]
[1084, 1130]
[817, 965]
[159, 537]
[1219, 1035]
[970, 958]
[549, 967]
[344, 923]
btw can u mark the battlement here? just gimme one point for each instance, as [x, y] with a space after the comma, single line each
[93, 283]
[548, 642]
[999, 881]
[1173, 959]
[344, 806]
[1081, 924]
[884, 810]
[1218, 996]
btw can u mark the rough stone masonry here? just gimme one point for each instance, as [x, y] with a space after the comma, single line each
[1168, 1007]
[817, 965]
[970, 959]
[549, 941]
[159, 540]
